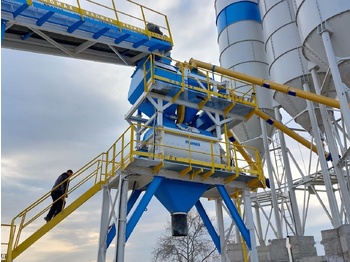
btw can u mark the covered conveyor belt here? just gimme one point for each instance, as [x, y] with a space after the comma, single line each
[56, 28]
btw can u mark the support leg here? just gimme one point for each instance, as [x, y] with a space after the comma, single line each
[152, 188]
[220, 220]
[102, 247]
[122, 220]
[234, 214]
[250, 225]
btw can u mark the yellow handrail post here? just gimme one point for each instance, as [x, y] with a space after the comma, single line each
[113, 161]
[106, 167]
[168, 27]
[122, 154]
[145, 22]
[116, 13]
[132, 130]
[227, 145]
[11, 239]
[80, 11]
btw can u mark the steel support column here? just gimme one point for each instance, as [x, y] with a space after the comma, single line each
[333, 148]
[220, 221]
[338, 83]
[324, 167]
[250, 225]
[293, 199]
[152, 188]
[102, 247]
[122, 219]
[272, 180]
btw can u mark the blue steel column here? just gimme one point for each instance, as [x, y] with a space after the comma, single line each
[208, 225]
[235, 215]
[3, 28]
[152, 188]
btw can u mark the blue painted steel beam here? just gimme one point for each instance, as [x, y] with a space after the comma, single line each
[155, 47]
[151, 189]
[100, 33]
[75, 26]
[235, 215]
[3, 28]
[132, 200]
[44, 18]
[121, 38]
[140, 43]
[27, 35]
[214, 236]
[20, 10]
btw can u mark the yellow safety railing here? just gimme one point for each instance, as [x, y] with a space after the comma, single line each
[135, 23]
[214, 159]
[207, 84]
[96, 172]
[122, 153]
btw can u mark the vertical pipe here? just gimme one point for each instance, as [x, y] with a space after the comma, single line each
[122, 219]
[333, 148]
[102, 247]
[293, 199]
[272, 180]
[250, 224]
[324, 167]
[220, 221]
[339, 86]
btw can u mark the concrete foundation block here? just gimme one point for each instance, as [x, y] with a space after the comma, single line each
[302, 246]
[263, 254]
[344, 237]
[278, 250]
[313, 259]
[235, 252]
[332, 246]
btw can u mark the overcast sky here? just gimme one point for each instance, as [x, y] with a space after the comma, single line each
[59, 113]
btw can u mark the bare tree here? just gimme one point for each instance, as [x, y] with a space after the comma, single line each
[197, 246]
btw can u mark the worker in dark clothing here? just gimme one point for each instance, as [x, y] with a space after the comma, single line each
[58, 194]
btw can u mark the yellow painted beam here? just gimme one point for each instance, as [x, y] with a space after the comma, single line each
[207, 175]
[242, 151]
[231, 178]
[196, 173]
[185, 171]
[270, 120]
[158, 167]
[268, 84]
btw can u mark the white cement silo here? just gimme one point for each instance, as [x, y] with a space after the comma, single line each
[242, 49]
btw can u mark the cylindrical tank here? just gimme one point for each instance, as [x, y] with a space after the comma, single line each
[241, 46]
[314, 16]
[287, 64]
